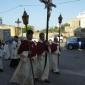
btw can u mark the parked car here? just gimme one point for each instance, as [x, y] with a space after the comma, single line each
[73, 43]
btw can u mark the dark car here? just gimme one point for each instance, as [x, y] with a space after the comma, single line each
[73, 43]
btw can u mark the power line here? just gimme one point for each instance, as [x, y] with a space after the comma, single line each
[11, 9]
[68, 1]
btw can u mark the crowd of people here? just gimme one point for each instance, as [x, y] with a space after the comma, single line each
[8, 50]
[32, 61]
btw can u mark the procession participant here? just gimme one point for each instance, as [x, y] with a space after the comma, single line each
[42, 48]
[54, 55]
[6, 51]
[23, 74]
[10, 47]
[1, 57]
[79, 45]
[14, 56]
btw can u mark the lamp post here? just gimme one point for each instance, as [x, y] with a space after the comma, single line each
[59, 21]
[25, 19]
[18, 22]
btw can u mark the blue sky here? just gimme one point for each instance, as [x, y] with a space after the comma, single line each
[10, 10]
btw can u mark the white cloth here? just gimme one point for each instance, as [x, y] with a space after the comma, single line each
[14, 47]
[6, 51]
[54, 60]
[10, 49]
[45, 74]
[41, 62]
[34, 63]
[1, 57]
[23, 73]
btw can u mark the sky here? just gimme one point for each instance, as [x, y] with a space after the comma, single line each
[11, 10]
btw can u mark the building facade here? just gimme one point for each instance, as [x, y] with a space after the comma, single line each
[73, 24]
[81, 17]
[13, 29]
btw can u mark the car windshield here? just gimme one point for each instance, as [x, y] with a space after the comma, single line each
[72, 39]
[81, 39]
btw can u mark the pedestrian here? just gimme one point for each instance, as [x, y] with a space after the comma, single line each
[54, 56]
[1, 56]
[79, 44]
[6, 51]
[23, 74]
[42, 49]
[14, 56]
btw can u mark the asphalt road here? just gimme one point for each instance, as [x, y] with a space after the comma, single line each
[72, 70]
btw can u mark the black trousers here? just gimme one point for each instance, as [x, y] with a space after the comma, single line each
[14, 63]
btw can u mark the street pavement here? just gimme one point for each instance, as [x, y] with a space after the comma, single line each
[72, 70]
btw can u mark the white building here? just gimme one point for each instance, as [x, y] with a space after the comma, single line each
[81, 17]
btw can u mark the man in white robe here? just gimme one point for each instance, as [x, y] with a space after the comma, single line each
[54, 56]
[14, 56]
[6, 51]
[1, 57]
[23, 74]
[42, 49]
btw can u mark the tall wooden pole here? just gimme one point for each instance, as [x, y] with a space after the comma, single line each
[48, 5]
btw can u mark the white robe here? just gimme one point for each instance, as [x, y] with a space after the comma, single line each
[41, 62]
[14, 47]
[23, 73]
[54, 57]
[6, 51]
[1, 57]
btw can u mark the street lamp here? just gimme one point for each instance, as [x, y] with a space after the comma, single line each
[59, 21]
[25, 19]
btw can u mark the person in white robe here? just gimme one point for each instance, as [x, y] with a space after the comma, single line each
[14, 56]
[42, 68]
[6, 51]
[1, 57]
[54, 56]
[23, 74]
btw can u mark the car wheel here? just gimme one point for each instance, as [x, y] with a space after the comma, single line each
[70, 47]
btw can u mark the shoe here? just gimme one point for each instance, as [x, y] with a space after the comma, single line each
[1, 70]
[57, 72]
[52, 70]
[36, 79]
[46, 81]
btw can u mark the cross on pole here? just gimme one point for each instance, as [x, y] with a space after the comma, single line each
[48, 6]
[18, 22]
